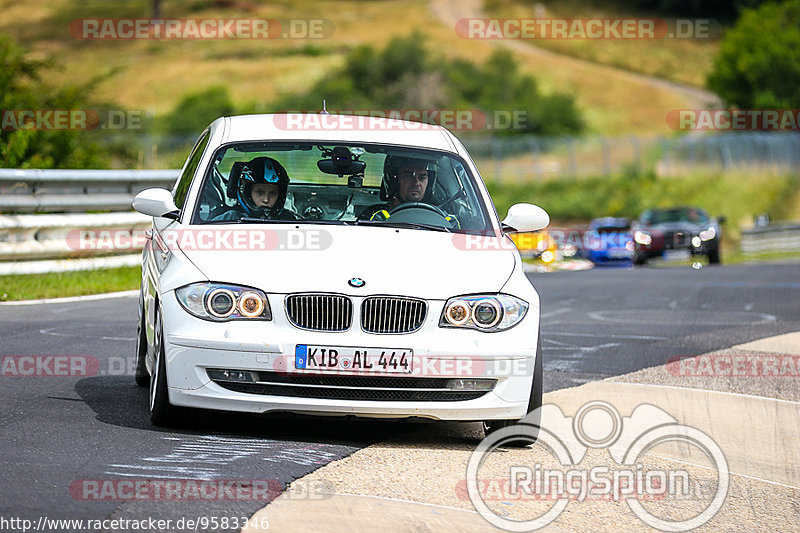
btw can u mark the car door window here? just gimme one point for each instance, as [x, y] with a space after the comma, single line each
[182, 188]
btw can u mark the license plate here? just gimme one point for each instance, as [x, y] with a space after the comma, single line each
[352, 359]
[677, 255]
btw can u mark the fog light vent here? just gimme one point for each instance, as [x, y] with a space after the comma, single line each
[461, 384]
[239, 376]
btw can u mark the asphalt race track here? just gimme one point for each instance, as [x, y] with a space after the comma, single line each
[59, 430]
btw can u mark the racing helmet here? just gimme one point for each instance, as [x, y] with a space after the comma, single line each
[393, 163]
[261, 170]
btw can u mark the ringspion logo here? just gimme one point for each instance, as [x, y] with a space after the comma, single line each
[562, 478]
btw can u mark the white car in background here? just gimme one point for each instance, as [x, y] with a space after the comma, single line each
[337, 301]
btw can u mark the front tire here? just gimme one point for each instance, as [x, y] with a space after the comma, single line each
[162, 413]
[713, 256]
[532, 424]
[141, 375]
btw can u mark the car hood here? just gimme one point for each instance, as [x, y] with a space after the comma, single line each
[324, 258]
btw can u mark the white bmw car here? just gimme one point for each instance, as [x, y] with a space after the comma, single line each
[336, 265]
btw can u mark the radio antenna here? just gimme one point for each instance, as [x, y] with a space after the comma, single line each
[324, 108]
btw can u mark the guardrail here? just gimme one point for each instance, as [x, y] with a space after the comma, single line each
[47, 191]
[32, 243]
[26, 237]
[772, 238]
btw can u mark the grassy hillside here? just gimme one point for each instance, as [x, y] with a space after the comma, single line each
[155, 75]
[681, 60]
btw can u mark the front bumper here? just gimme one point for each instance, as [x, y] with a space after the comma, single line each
[193, 346]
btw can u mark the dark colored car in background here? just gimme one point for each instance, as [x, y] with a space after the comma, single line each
[609, 242]
[676, 233]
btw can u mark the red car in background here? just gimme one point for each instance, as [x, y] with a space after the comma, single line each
[676, 233]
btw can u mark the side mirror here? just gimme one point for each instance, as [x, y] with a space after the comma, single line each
[156, 202]
[722, 219]
[526, 217]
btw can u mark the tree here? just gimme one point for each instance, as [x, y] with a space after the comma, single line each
[406, 75]
[197, 110]
[22, 89]
[723, 10]
[758, 65]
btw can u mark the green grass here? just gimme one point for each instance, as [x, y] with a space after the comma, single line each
[153, 76]
[55, 285]
[738, 257]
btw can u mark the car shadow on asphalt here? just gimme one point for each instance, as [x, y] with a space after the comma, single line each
[116, 400]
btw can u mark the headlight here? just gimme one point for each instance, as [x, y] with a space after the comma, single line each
[643, 238]
[707, 235]
[221, 302]
[457, 312]
[491, 312]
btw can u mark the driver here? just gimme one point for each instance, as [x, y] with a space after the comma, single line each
[260, 191]
[406, 179]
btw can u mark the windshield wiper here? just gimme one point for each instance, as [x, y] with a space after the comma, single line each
[251, 220]
[411, 225]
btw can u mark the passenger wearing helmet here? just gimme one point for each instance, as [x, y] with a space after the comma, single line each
[259, 186]
[405, 179]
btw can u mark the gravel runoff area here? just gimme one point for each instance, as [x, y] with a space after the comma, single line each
[416, 482]
[761, 368]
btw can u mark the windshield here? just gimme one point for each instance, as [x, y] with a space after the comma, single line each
[692, 215]
[363, 184]
[610, 225]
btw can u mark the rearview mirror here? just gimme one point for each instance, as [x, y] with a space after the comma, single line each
[526, 217]
[341, 163]
[332, 166]
[156, 202]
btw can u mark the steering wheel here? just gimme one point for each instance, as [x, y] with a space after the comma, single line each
[418, 205]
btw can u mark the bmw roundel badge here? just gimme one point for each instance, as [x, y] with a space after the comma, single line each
[356, 282]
